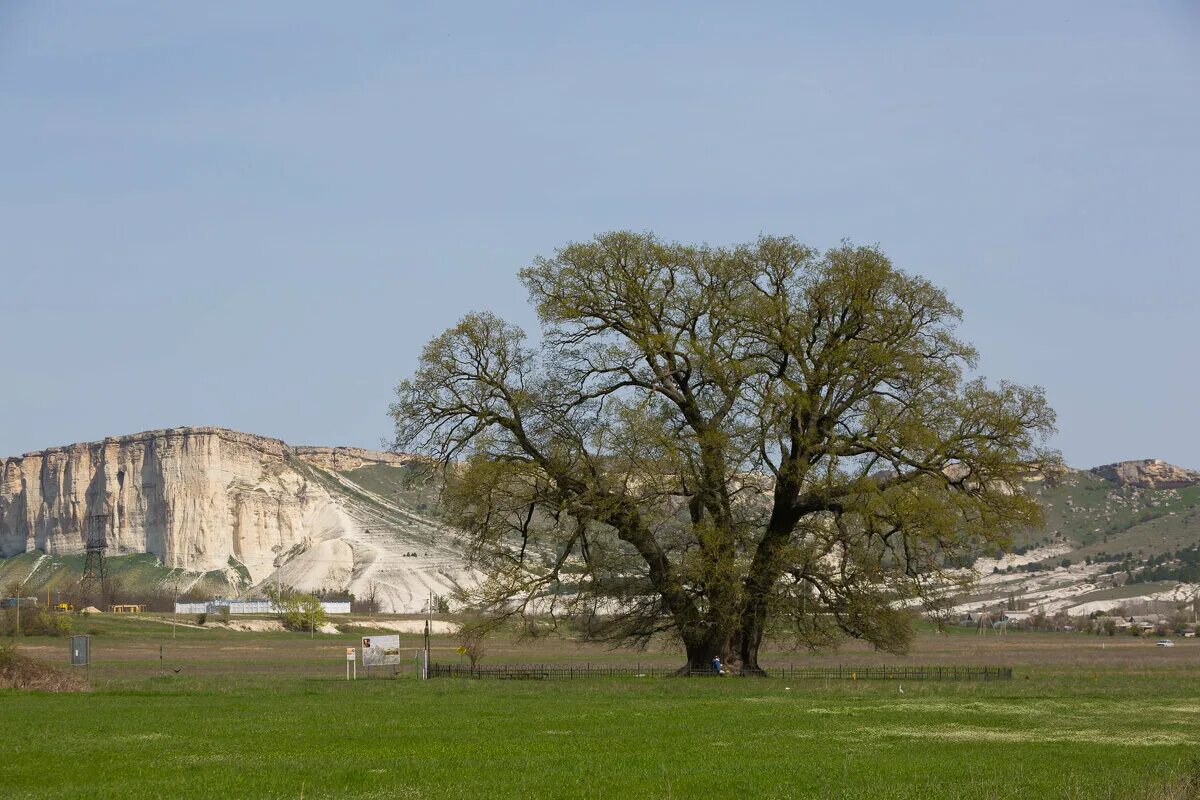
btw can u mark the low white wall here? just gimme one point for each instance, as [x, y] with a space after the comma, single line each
[252, 607]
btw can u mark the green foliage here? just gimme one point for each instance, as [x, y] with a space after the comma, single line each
[35, 622]
[136, 578]
[721, 441]
[301, 612]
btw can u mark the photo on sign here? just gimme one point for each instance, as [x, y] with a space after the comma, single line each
[380, 650]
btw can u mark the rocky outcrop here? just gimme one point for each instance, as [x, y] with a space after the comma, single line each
[204, 499]
[345, 459]
[1150, 473]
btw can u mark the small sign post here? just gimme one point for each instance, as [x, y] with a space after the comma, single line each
[351, 662]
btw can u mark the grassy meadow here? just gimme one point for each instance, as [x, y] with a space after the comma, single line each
[246, 715]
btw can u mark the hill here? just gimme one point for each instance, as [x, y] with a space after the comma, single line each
[1123, 535]
[228, 511]
[210, 510]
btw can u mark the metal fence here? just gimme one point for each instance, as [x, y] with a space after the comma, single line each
[547, 672]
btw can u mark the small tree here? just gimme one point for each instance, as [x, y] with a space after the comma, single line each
[369, 603]
[301, 612]
[472, 641]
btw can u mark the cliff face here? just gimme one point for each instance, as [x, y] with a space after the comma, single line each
[198, 497]
[194, 497]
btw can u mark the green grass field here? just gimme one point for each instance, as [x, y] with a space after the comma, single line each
[270, 715]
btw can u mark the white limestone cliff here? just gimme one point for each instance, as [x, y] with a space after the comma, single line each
[204, 499]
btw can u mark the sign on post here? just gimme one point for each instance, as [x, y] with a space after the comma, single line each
[351, 662]
[81, 651]
[380, 651]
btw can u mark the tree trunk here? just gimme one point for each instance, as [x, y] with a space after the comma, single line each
[702, 648]
[753, 623]
[764, 572]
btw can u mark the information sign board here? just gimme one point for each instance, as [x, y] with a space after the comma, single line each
[380, 650]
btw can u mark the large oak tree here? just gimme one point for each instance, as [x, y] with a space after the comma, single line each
[719, 443]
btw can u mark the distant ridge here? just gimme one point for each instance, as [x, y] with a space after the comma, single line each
[1149, 473]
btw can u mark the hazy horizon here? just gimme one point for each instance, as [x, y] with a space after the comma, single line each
[255, 217]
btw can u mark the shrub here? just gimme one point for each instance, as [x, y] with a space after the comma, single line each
[201, 619]
[301, 612]
[44, 623]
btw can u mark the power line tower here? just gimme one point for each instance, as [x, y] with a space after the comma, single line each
[95, 569]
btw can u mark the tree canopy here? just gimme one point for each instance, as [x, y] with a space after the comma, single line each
[718, 443]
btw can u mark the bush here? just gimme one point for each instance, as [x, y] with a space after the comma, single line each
[51, 624]
[8, 655]
[301, 612]
[202, 619]
[35, 623]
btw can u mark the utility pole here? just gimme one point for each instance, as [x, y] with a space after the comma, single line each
[428, 626]
[175, 608]
[20, 592]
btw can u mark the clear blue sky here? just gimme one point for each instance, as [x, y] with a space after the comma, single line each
[255, 214]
